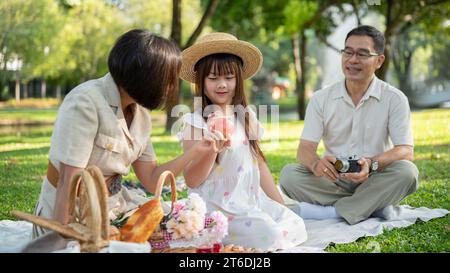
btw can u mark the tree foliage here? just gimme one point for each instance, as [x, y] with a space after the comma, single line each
[80, 49]
[399, 15]
[26, 29]
[296, 21]
[68, 41]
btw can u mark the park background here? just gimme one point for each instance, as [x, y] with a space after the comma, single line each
[47, 47]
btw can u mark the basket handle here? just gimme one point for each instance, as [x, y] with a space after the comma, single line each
[159, 185]
[102, 194]
[97, 198]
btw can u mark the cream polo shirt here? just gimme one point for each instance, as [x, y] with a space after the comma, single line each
[90, 129]
[381, 120]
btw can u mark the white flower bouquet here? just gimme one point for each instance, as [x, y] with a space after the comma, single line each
[188, 225]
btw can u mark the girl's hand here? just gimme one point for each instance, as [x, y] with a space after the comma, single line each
[211, 143]
[205, 146]
[221, 142]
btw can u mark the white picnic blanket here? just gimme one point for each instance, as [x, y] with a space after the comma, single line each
[14, 235]
[323, 232]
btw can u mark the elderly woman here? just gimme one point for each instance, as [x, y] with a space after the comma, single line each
[106, 122]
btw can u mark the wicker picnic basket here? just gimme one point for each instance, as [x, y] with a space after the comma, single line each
[144, 224]
[89, 222]
[160, 238]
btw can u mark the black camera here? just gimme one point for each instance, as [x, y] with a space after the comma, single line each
[347, 165]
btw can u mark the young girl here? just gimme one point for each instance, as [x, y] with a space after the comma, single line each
[233, 175]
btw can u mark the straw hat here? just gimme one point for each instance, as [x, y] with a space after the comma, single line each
[220, 42]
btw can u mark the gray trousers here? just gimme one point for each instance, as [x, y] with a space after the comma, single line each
[354, 202]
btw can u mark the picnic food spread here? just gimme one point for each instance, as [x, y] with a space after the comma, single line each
[143, 222]
[90, 226]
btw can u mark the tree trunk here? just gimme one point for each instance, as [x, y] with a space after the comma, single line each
[17, 90]
[388, 34]
[295, 44]
[381, 73]
[302, 93]
[176, 37]
[43, 89]
[401, 61]
[210, 9]
[176, 22]
[4, 71]
[25, 90]
[299, 54]
[58, 92]
[405, 85]
[356, 12]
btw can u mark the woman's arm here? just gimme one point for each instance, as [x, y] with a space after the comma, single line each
[149, 172]
[66, 173]
[198, 170]
[268, 183]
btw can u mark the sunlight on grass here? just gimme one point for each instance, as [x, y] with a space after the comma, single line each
[24, 153]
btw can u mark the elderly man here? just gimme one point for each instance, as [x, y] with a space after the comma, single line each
[360, 116]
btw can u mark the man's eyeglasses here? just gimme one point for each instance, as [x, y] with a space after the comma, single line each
[360, 54]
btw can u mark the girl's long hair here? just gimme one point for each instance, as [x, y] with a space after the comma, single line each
[223, 64]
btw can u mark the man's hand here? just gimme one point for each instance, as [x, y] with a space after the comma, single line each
[325, 167]
[362, 176]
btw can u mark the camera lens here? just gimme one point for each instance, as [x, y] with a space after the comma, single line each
[341, 165]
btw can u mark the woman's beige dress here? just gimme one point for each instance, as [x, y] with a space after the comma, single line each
[91, 130]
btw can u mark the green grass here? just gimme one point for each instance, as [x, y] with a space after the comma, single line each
[23, 161]
[14, 116]
[11, 116]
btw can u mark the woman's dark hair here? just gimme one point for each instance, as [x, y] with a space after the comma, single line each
[223, 64]
[147, 67]
[375, 34]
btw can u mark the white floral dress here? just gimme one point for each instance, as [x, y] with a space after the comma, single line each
[233, 187]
